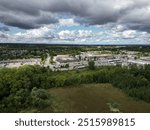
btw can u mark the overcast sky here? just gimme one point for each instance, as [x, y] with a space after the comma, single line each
[75, 21]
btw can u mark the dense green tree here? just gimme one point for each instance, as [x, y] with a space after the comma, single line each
[26, 87]
[91, 65]
[40, 98]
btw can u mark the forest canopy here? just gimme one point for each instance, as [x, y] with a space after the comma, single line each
[25, 88]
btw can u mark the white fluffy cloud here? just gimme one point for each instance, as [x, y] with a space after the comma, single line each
[120, 31]
[3, 35]
[35, 33]
[67, 22]
[75, 35]
[129, 34]
[110, 34]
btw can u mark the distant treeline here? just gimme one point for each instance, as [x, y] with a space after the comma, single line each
[20, 51]
[33, 51]
[25, 89]
[137, 48]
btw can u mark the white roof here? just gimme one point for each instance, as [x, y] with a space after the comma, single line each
[141, 62]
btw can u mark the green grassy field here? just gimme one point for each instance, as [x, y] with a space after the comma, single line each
[95, 98]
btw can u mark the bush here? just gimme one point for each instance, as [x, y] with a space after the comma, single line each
[40, 98]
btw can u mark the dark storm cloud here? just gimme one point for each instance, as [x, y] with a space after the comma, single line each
[4, 29]
[19, 6]
[138, 26]
[34, 13]
[89, 11]
[2, 35]
[26, 21]
[137, 16]
[24, 14]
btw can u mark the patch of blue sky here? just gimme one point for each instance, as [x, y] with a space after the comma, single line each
[12, 30]
[81, 27]
[1, 24]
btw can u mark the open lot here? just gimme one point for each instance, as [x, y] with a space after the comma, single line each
[95, 98]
